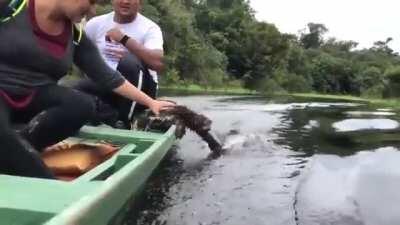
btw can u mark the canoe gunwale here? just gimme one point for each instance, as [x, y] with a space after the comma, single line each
[86, 210]
[95, 201]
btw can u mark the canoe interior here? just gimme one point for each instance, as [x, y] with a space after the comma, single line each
[93, 198]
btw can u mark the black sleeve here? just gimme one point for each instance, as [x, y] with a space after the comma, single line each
[87, 57]
[4, 11]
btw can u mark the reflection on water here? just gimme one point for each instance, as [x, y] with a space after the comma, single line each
[368, 113]
[360, 189]
[365, 124]
[285, 165]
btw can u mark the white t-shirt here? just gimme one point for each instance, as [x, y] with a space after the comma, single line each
[142, 29]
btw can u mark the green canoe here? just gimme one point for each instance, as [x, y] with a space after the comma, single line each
[100, 196]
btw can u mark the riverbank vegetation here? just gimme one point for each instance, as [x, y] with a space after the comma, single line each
[218, 44]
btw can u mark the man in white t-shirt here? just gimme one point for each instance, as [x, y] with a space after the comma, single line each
[132, 44]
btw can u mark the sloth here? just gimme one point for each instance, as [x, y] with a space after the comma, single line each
[182, 117]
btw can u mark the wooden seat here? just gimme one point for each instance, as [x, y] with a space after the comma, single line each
[70, 162]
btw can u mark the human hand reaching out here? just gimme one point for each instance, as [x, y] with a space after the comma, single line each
[157, 106]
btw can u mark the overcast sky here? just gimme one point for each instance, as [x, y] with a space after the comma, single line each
[363, 21]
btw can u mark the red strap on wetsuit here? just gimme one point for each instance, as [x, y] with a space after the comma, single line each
[17, 104]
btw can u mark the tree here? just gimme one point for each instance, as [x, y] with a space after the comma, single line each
[314, 37]
[383, 47]
[209, 42]
[333, 45]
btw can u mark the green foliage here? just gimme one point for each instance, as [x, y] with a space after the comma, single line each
[393, 81]
[219, 43]
[370, 77]
[296, 83]
[376, 91]
[103, 8]
[332, 75]
[314, 37]
[252, 48]
[269, 86]
[383, 47]
[213, 79]
[171, 77]
[290, 82]
[334, 46]
[393, 74]
[189, 54]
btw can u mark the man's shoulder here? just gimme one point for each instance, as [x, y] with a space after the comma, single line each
[146, 21]
[101, 19]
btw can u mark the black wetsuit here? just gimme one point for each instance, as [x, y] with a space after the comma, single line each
[28, 71]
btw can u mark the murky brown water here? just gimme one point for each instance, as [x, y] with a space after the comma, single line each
[288, 163]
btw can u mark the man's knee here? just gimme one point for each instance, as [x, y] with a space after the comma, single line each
[130, 67]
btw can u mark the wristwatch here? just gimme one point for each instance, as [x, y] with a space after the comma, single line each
[124, 39]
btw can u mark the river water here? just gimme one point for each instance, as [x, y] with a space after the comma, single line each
[288, 162]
